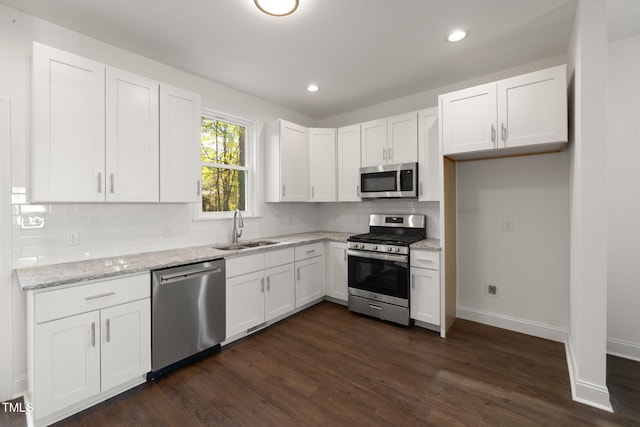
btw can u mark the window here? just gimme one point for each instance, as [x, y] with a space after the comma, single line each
[226, 148]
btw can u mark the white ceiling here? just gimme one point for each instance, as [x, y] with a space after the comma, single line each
[360, 52]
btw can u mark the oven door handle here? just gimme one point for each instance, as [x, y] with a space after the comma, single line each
[379, 256]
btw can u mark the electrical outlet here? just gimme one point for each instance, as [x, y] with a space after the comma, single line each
[168, 231]
[432, 224]
[73, 238]
[357, 219]
[492, 290]
[507, 225]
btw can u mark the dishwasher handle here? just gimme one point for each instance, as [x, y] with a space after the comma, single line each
[169, 278]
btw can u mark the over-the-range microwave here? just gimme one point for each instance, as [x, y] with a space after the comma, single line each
[389, 181]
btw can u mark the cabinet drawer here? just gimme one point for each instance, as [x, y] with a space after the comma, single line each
[425, 259]
[65, 302]
[309, 251]
[244, 264]
[279, 257]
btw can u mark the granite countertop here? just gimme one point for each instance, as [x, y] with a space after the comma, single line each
[47, 276]
[61, 274]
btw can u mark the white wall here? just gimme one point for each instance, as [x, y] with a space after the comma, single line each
[529, 265]
[623, 176]
[111, 229]
[587, 69]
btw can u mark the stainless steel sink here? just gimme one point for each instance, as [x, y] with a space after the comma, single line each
[246, 245]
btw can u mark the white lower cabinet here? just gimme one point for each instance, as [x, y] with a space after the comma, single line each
[309, 273]
[256, 295]
[337, 271]
[425, 287]
[96, 345]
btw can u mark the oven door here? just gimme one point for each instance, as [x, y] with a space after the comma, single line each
[379, 276]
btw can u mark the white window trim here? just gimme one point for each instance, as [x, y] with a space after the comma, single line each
[253, 210]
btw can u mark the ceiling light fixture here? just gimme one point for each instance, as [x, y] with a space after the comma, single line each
[456, 36]
[313, 88]
[277, 7]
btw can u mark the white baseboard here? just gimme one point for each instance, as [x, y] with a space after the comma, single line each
[19, 386]
[625, 349]
[584, 391]
[523, 326]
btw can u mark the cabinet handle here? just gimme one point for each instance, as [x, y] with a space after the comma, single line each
[389, 153]
[283, 190]
[262, 285]
[493, 133]
[112, 181]
[108, 338]
[99, 182]
[384, 154]
[93, 334]
[413, 281]
[424, 260]
[377, 307]
[312, 192]
[108, 294]
[298, 273]
[421, 188]
[345, 254]
[198, 188]
[358, 190]
[310, 251]
[269, 283]
[504, 132]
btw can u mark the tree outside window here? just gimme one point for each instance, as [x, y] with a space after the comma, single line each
[224, 165]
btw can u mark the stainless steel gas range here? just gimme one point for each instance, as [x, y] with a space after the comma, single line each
[378, 266]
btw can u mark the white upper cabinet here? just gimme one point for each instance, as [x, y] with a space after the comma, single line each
[132, 151]
[374, 142]
[532, 108]
[402, 138]
[287, 163]
[429, 157]
[322, 165]
[103, 134]
[520, 115]
[349, 163]
[390, 140]
[180, 131]
[469, 120]
[69, 127]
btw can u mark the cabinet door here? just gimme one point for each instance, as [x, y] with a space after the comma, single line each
[309, 280]
[532, 108]
[133, 146]
[469, 120]
[245, 302]
[67, 362]
[373, 143]
[180, 131]
[425, 295]
[69, 127]
[125, 343]
[429, 157]
[337, 271]
[280, 291]
[294, 163]
[402, 138]
[349, 164]
[322, 165]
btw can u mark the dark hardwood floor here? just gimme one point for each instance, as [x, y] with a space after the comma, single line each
[326, 366]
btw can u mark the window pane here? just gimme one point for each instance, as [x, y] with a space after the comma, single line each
[223, 189]
[222, 142]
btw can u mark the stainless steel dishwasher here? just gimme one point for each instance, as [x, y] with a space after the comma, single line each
[188, 319]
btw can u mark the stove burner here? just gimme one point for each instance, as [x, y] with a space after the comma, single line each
[386, 238]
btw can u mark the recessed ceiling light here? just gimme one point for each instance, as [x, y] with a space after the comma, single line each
[313, 88]
[456, 36]
[277, 7]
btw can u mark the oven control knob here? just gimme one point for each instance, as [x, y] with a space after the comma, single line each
[397, 249]
[389, 249]
[375, 247]
[361, 246]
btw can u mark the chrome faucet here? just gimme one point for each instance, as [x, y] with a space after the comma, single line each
[237, 226]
